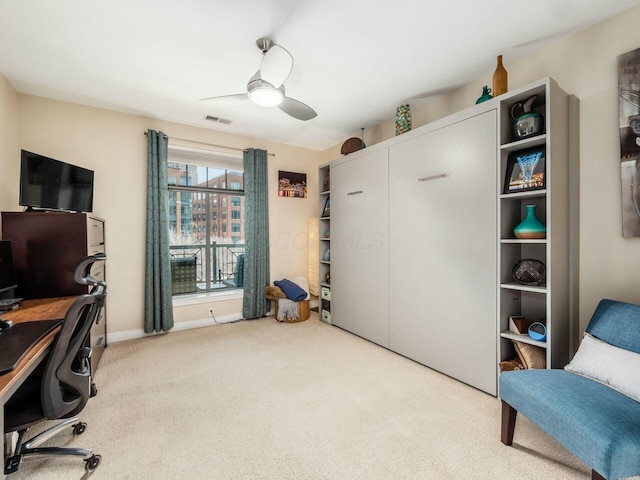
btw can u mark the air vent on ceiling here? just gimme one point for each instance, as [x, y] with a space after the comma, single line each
[211, 118]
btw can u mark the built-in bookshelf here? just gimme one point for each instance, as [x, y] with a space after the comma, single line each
[324, 235]
[547, 302]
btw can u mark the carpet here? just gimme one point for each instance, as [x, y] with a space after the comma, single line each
[267, 400]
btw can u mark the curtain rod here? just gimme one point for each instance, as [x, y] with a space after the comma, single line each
[167, 137]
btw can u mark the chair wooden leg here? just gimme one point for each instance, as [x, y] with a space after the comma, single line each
[596, 476]
[508, 423]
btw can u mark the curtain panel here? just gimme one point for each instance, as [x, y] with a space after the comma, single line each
[256, 265]
[158, 306]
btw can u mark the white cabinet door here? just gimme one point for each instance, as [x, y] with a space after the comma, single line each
[359, 246]
[442, 200]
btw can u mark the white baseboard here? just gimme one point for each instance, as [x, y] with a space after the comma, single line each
[191, 324]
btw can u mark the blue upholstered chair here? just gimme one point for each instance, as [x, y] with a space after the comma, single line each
[597, 423]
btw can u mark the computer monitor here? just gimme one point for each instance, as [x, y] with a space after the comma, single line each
[7, 271]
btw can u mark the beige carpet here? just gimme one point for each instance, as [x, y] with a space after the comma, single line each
[264, 400]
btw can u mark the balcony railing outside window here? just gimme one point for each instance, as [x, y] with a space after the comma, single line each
[189, 267]
[204, 257]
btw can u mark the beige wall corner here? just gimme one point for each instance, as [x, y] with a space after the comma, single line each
[9, 146]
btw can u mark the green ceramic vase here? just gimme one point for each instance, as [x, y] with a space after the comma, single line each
[531, 227]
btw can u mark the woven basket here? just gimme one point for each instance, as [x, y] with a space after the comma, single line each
[303, 306]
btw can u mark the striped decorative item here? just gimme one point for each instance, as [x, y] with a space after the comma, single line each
[403, 119]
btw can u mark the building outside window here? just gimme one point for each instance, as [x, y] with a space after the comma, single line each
[198, 208]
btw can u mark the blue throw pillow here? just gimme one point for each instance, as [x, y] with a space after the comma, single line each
[291, 290]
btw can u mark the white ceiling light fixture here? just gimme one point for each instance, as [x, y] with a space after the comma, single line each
[263, 93]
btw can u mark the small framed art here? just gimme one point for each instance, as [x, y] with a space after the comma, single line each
[292, 184]
[326, 211]
[525, 171]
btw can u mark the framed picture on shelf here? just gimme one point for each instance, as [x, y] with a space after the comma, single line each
[326, 211]
[525, 171]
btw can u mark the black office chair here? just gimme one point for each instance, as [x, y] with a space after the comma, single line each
[63, 388]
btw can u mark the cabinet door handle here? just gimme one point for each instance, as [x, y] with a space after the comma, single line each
[433, 177]
[356, 192]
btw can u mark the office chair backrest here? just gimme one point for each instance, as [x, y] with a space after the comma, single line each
[82, 269]
[66, 382]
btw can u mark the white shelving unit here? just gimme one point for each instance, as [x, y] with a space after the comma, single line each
[405, 275]
[324, 235]
[549, 302]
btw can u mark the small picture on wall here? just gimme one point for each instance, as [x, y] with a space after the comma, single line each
[292, 185]
[525, 171]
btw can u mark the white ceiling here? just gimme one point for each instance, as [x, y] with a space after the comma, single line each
[355, 60]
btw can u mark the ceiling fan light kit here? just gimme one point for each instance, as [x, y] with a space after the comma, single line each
[264, 94]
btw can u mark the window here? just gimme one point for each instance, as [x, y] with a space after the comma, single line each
[198, 210]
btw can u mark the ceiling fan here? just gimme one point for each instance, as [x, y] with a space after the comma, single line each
[265, 87]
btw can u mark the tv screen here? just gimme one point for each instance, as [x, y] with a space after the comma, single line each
[51, 184]
[7, 270]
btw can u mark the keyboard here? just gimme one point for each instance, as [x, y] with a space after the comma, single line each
[9, 302]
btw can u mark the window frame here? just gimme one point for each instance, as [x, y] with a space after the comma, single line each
[229, 164]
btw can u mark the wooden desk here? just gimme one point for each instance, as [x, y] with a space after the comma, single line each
[28, 311]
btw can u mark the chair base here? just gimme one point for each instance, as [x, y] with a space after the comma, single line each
[509, 415]
[31, 447]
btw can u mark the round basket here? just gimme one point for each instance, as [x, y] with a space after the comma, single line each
[529, 271]
[304, 312]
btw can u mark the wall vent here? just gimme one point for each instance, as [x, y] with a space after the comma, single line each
[211, 118]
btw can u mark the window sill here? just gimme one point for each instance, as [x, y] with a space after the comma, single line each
[196, 298]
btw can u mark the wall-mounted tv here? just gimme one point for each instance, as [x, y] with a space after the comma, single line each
[46, 183]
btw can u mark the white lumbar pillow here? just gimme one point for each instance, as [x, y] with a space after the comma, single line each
[609, 365]
[303, 284]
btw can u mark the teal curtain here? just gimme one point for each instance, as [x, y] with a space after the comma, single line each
[158, 307]
[256, 216]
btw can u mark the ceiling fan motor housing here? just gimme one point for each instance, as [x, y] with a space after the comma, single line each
[264, 44]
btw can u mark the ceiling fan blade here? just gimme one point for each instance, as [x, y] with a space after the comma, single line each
[276, 66]
[297, 109]
[230, 98]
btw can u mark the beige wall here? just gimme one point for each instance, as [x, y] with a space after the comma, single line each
[9, 142]
[113, 144]
[584, 65]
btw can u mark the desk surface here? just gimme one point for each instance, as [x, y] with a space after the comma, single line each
[28, 311]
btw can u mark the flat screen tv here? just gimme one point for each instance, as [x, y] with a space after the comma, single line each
[46, 183]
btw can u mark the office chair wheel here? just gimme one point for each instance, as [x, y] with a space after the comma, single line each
[92, 462]
[94, 390]
[79, 428]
